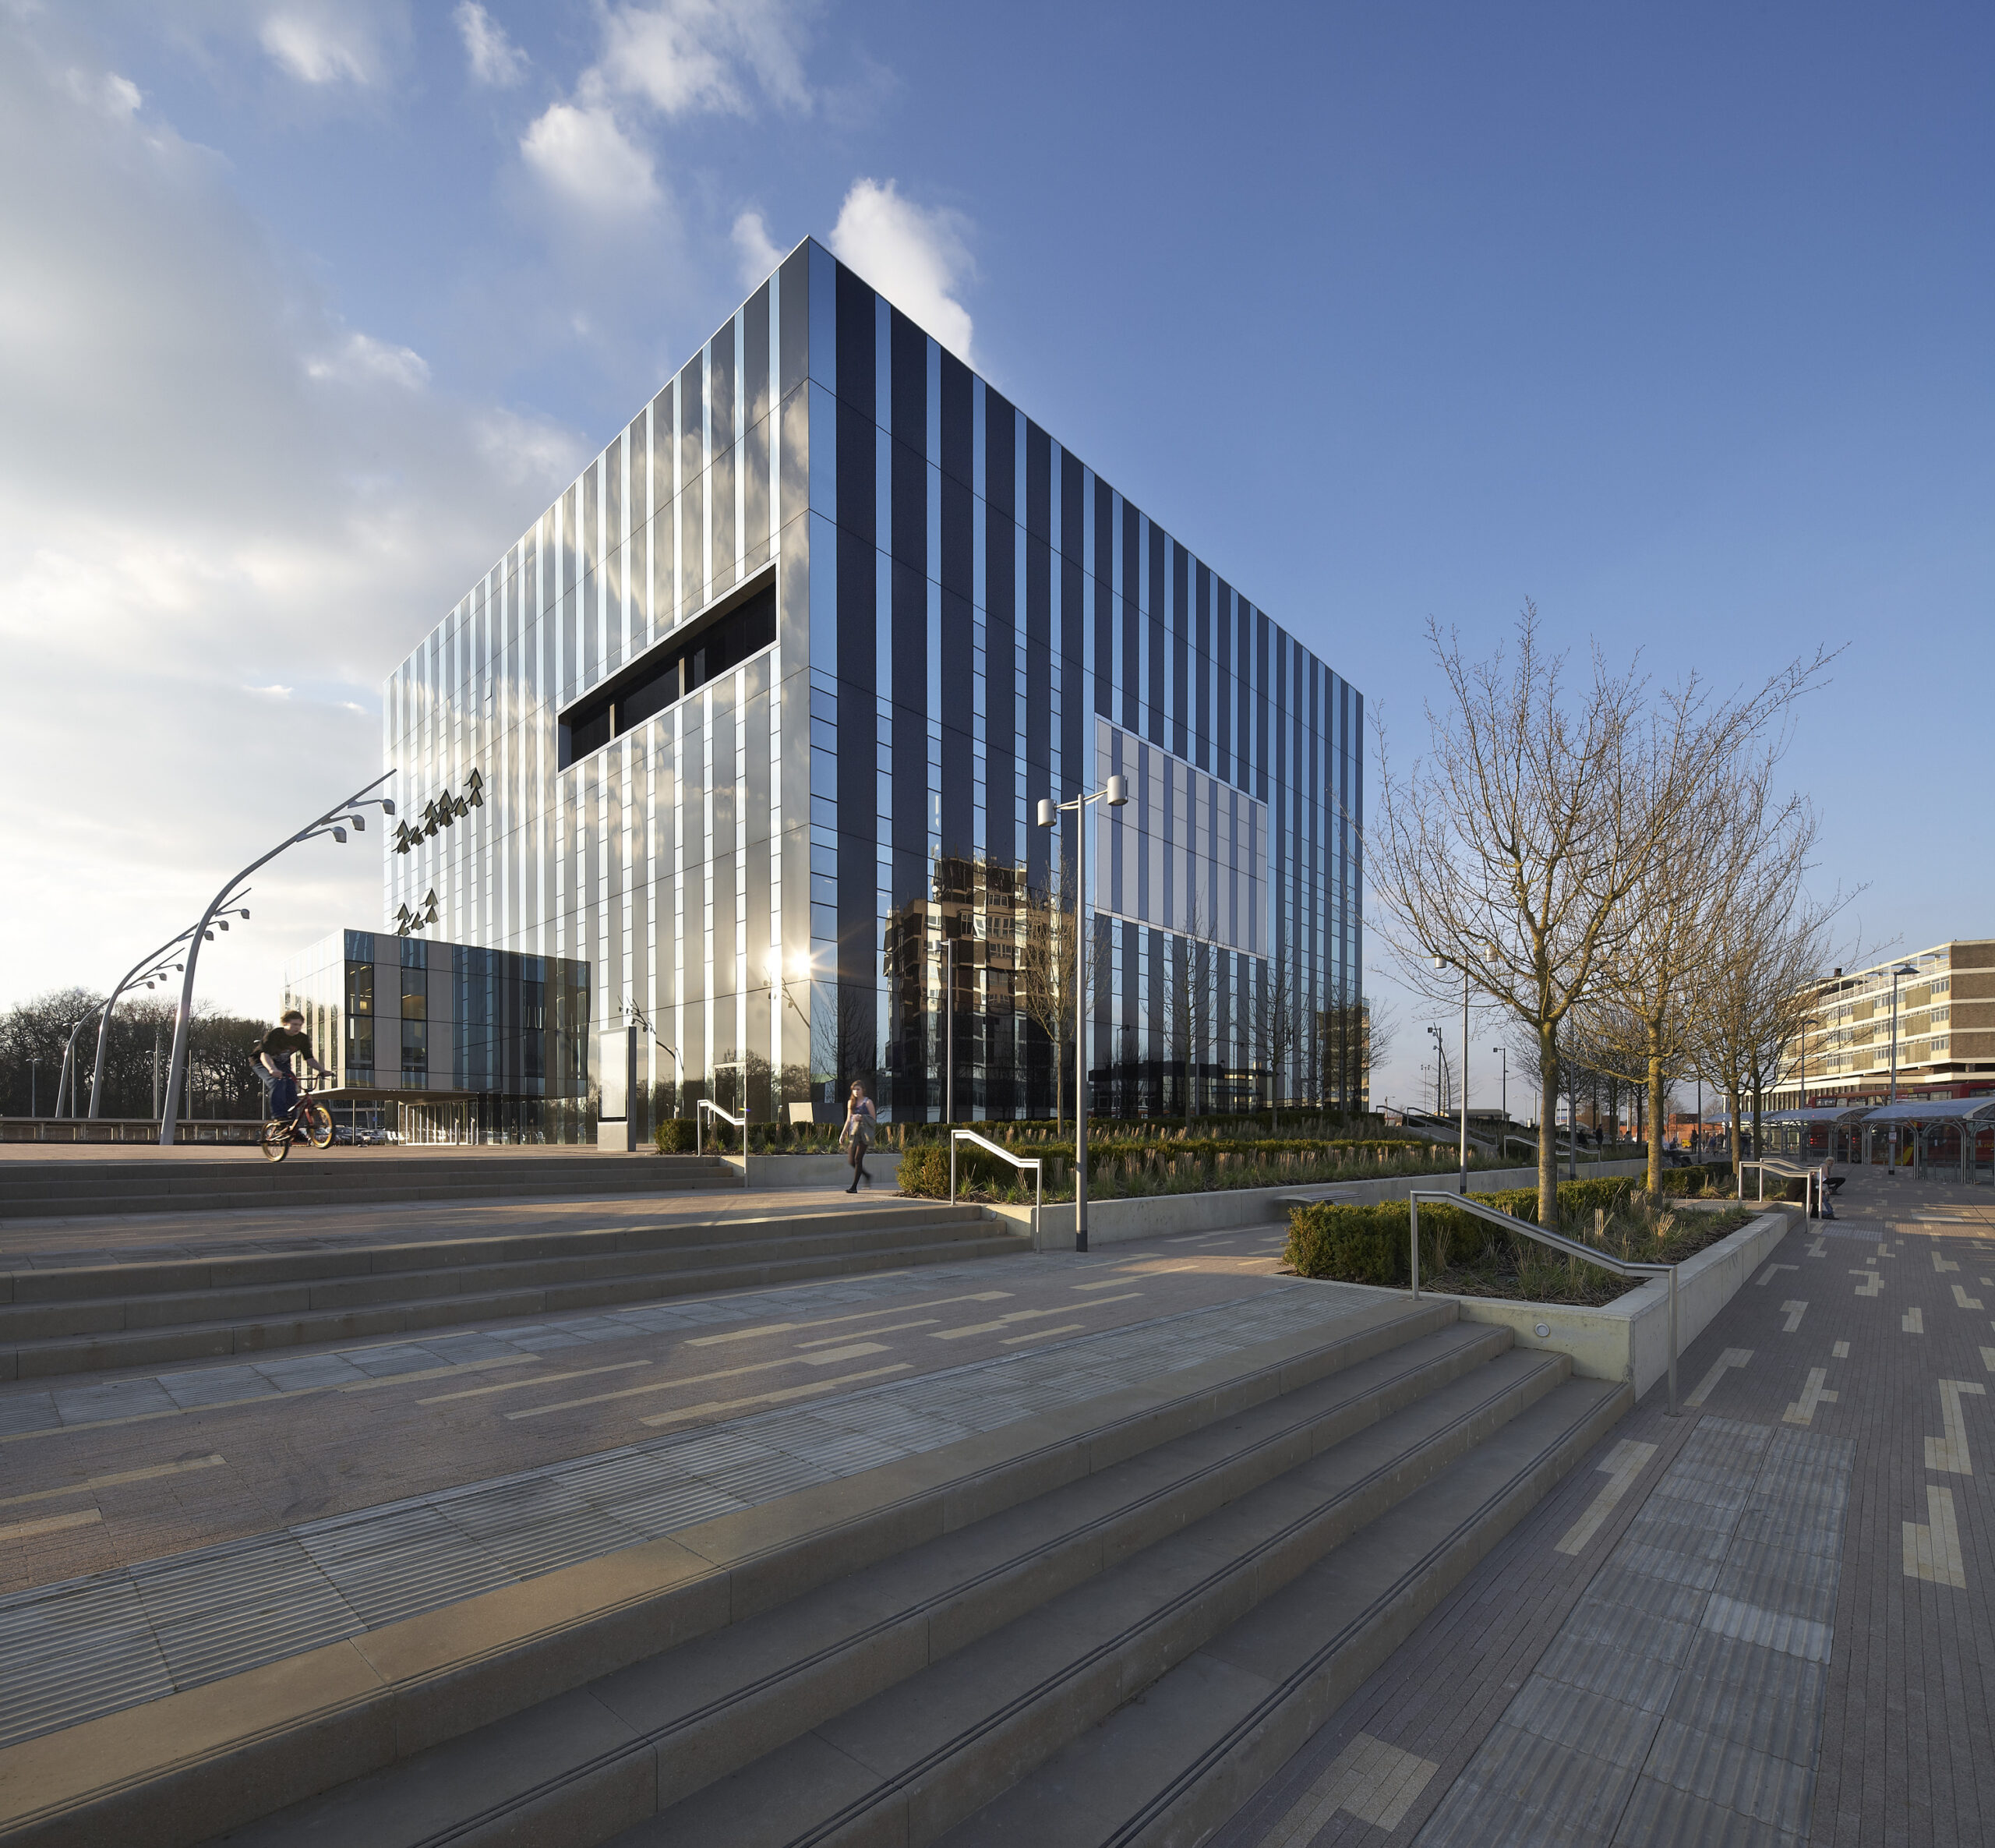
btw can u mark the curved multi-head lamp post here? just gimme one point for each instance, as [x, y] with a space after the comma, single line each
[152, 972]
[1115, 792]
[334, 821]
[154, 968]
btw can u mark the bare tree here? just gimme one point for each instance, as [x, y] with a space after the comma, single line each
[1512, 848]
[1048, 938]
[1674, 910]
[1769, 945]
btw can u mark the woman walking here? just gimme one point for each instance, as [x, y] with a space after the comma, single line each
[860, 1124]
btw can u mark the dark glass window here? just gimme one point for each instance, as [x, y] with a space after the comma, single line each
[360, 1043]
[416, 1046]
[360, 988]
[663, 675]
[415, 994]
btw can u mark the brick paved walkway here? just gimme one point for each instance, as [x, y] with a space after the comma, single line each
[1769, 1621]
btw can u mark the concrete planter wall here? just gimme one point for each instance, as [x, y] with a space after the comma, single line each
[815, 1171]
[1160, 1215]
[1628, 1339]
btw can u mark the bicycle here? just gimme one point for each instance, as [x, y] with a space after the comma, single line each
[305, 1121]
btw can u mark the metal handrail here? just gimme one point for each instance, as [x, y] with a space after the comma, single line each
[1792, 1170]
[1558, 1241]
[1021, 1162]
[740, 1122]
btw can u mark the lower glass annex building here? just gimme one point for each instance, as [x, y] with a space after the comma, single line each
[758, 714]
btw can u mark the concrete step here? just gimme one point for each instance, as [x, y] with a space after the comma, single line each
[745, 1631]
[922, 1756]
[71, 1189]
[1172, 1767]
[892, 1703]
[311, 1297]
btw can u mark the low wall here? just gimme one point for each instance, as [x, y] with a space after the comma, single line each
[1160, 1215]
[815, 1170]
[1628, 1339]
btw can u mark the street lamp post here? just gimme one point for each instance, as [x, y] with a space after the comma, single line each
[1489, 954]
[333, 821]
[154, 968]
[949, 1030]
[1115, 792]
[1892, 1147]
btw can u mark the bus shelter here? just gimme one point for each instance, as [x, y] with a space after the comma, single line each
[1944, 1137]
[1821, 1132]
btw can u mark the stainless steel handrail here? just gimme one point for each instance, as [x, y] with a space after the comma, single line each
[701, 1104]
[1021, 1162]
[1558, 1241]
[1793, 1171]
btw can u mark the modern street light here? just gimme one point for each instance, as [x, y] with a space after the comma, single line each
[146, 973]
[1892, 1147]
[1503, 1053]
[70, 1079]
[334, 821]
[1489, 954]
[948, 1030]
[1115, 792]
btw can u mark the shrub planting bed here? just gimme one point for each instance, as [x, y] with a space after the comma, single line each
[1462, 1255]
[1119, 1168]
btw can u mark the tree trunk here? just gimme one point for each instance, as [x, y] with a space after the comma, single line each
[1737, 1153]
[1656, 1109]
[1548, 1129]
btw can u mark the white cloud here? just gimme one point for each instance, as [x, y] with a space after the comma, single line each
[495, 59]
[223, 516]
[321, 46]
[360, 359]
[759, 254]
[684, 55]
[913, 256]
[582, 153]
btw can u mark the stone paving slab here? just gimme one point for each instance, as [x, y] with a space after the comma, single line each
[171, 1238]
[76, 1649]
[1782, 1631]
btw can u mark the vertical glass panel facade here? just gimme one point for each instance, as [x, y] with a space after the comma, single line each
[756, 715]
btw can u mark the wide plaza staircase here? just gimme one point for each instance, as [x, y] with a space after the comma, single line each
[1104, 1622]
[76, 1318]
[78, 1186]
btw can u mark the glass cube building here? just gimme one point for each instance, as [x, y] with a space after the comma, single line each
[407, 1021]
[755, 718]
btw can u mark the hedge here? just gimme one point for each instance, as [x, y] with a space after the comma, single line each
[674, 1137]
[1369, 1244]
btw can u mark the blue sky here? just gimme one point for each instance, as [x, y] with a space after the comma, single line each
[1674, 320]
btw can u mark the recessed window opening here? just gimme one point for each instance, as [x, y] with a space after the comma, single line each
[661, 677]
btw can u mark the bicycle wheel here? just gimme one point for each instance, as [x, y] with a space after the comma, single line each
[277, 1138]
[318, 1122]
